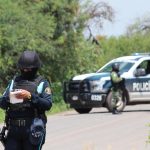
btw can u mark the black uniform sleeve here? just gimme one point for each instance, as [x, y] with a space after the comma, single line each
[43, 101]
[4, 99]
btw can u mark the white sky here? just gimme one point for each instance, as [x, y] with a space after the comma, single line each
[126, 12]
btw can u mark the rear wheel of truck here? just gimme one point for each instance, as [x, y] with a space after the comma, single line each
[83, 110]
[121, 103]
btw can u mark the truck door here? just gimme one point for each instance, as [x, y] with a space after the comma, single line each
[139, 86]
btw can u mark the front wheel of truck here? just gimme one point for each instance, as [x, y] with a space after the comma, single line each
[121, 103]
[83, 110]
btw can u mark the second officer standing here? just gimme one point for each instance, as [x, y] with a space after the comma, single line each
[117, 87]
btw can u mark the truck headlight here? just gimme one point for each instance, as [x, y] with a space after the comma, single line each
[97, 86]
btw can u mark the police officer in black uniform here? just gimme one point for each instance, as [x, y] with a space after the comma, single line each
[25, 100]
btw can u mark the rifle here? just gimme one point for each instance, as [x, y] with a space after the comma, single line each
[3, 135]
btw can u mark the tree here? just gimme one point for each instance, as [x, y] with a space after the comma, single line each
[54, 28]
[140, 26]
[95, 15]
[71, 18]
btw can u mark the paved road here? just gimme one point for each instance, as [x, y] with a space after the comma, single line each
[99, 130]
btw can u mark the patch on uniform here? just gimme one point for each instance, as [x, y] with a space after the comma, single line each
[48, 90]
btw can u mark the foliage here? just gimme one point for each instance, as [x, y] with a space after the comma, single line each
[93, 15]
[58, 107]
[2, 115]
[54, 29]
[21, 27]
[120, 46]
[140, 26]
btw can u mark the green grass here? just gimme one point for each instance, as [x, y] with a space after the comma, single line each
[2, 115]
[58, 107]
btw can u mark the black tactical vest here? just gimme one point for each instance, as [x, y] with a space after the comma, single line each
[30, 86]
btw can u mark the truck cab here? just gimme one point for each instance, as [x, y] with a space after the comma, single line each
[86, 91]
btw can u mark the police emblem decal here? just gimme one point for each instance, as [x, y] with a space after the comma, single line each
[48, 90]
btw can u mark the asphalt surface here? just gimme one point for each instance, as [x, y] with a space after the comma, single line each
[99, 130]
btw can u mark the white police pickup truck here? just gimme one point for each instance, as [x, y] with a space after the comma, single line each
[86, 91]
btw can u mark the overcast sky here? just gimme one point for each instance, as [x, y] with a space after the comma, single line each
[126, 12]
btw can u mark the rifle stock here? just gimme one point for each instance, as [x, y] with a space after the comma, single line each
[3, 136]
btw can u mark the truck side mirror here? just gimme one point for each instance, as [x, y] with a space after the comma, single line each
[140, 72]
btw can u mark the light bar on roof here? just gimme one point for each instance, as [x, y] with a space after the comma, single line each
[140, 54]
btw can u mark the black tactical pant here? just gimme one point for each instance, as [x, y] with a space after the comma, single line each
[18, 139]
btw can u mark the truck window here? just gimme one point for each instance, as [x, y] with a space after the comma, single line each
[124, 67]
[145, 65]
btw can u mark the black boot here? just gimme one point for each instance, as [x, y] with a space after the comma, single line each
[115, 111]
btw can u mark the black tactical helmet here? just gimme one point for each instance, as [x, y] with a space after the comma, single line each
[29, 59]
[115, 67]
